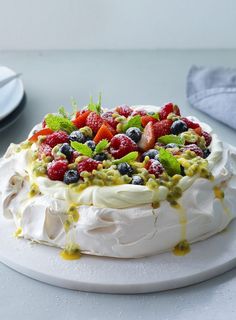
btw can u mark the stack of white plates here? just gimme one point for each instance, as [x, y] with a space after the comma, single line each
[12, 98]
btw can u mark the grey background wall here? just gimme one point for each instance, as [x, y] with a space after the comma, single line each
[117, 24]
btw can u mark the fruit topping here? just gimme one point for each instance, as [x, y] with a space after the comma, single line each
[124, 110]
[125, 168]
[71, 176]
[44, 150]
[178, 127]
[152, 154]
[91, 144]
[80, 121]
[134, 134]
[108, 117]
[77, 136]
[154, 167]
[56, 138]
[100, 156]
[66, 149]
[87, 165]
[43, 132]
[207, 138]
[162, 128]
[94, 121]
[194, 148]
[121, 145]
[146, 119]
[167, 109]
[190, 124]
[103, 133]
[57, 169]
[137, 180]
[206, 153]
[148, 139]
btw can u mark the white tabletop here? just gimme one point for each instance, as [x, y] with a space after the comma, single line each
[138, 77]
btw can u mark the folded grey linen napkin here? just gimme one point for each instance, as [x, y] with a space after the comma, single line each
[213, 91]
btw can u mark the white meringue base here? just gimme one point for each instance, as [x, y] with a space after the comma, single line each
[165, 271]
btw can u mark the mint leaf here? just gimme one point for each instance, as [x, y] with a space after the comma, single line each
[103, 144]
[171, 138]
[95, 107]
[169, 162]
[133, 122]
[132, 156]
[82, 148]
[56, 122]
[62, 112]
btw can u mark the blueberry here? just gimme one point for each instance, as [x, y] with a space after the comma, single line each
[178, 126]
[152, 154]
[77, 136]
[171, 145]
[206, 153]
[100, 156]
[137, 180]
[91, 144]
[125, 168]
[71, 176]
[66, 149]
[134, 134]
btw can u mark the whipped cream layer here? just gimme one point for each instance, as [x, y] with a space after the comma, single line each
[119, 221]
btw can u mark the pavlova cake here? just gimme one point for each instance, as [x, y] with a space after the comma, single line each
[127, 183]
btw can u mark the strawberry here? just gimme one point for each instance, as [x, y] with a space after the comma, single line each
[146, 119]
[43, 132]
[167, 109]
[162, 128]
[103, 133]
[148, 139]
[139, 112]
[198, 131]
[94, 121]
[80, 121]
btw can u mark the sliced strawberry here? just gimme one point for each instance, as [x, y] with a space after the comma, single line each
[103, 133]
[43, 132]
[148, 139]
[162, 128]
[167, 109]
[146, 119]
[198, 131]
[113, 131]
[80, 121]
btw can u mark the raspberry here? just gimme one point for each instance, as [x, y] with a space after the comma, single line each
[57, 169]
[167, 109]
[107, 116]
[44, 149]
[162, 128]
[139, 112]
[154, 167]
[87, 165]
[124, 110]
[207, 138]
[121, 145]
[57, 137]
[94, 121]
[193, 147]
[190, 124]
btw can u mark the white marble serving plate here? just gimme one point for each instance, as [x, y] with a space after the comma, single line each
[11, 94]
[207, 259]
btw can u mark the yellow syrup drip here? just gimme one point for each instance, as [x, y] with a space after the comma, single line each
[219, 194]
[182, 248]
[71, 252]
[17, 232]
[70, 255]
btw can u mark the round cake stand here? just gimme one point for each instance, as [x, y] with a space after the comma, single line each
[207, 259]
